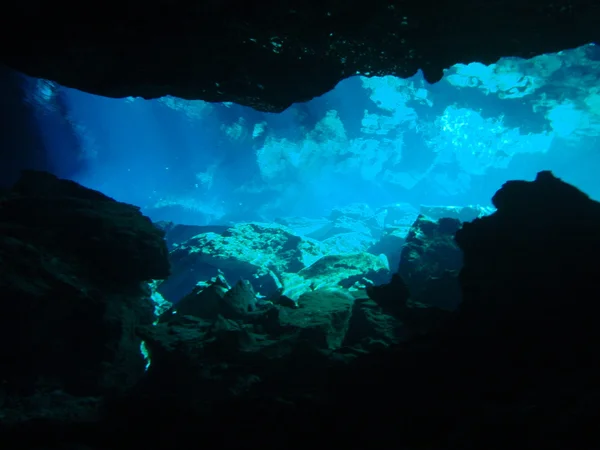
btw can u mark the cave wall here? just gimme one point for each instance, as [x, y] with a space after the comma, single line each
[21, 146]
[270, 54]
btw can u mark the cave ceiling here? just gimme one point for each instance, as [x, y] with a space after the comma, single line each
[269, 54]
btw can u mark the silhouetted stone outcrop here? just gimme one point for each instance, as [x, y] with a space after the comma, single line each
[270, 54]
[74, 266]
[515, 365]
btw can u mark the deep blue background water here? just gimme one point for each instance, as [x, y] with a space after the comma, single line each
[376, 141]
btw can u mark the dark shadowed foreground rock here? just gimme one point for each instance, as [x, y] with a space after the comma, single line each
[518, 363]
[425, 288]
[430, 262]
[515, 366]
[518, 358]
[73, 267]
[529, 270]
[269, 54]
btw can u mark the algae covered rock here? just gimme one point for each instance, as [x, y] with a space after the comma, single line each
[215, 298]
[338, 271]
[260, 244]
[261, 253]
[204, 301]
[218, 351]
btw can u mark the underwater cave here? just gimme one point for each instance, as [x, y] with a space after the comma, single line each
[266, 225]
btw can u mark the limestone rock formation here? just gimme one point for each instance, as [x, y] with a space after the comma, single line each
[515, 365]
[74, 267]
[430, 262]
[269, 54]
[261, 253]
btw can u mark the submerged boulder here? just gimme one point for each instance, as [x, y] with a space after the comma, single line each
[176, 234]
[208, 300]
[257, 252]
[277, 261]
[425, 288]
[529, 269]
[69, 218]
[337, 271]
[218, 354]
[322, 318]
[74, 267]
[430, 262]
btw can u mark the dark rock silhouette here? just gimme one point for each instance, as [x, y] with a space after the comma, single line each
[515, 364]
[73, 266]
[270, 54]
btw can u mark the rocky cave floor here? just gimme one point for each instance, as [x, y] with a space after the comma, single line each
[447, 328]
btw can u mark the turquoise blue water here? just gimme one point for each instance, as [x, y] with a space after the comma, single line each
[375, 141]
